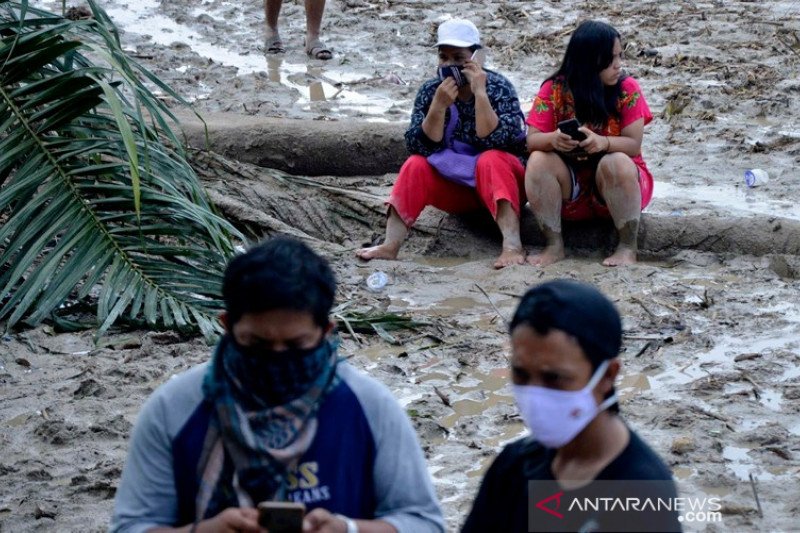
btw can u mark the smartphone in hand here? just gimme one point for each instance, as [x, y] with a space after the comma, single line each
[570, 127]
[281, 517]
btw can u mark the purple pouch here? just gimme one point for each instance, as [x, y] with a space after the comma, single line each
[456, 162]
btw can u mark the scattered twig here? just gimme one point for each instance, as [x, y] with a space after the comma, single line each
[780, 452]
[643, 349]
[704, 411]
[442, 396]
[648, 311]
[755, 495]
[496, 310]
[646, 337]
[755, 385]
[421, 336]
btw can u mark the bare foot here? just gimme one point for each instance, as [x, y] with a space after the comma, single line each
[548, 256]
[510, 256]
[382, 251]
[621, 256]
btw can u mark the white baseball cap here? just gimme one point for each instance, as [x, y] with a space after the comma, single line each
[458, 32]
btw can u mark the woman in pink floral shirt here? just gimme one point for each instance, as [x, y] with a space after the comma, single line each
[603, 175]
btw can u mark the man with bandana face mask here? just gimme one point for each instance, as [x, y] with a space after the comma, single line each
[565, 339]
[275, 416]
[474, 112]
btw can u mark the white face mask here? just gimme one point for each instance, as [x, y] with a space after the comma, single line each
[555, 417]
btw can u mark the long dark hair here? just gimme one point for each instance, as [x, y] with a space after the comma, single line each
[590, 50]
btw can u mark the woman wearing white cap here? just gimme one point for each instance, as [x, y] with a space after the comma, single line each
[467, 143]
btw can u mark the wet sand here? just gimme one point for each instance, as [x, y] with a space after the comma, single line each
[712, 339]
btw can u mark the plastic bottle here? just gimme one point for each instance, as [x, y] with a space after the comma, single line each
[377, 281]
[755, 177]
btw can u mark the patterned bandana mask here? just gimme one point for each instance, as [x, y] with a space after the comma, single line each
[264, 378]
[264, 421]
[452, 71]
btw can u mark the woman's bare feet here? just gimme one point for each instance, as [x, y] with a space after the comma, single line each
[552, 253]
[623, 255]
[382, 251]
[510, 256]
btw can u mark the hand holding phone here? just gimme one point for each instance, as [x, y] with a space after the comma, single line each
[570, 127]
[281, 517]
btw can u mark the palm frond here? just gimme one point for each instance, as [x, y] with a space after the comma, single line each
[96, 196]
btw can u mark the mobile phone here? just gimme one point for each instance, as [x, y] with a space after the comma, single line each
[570, 127]
[281, 517]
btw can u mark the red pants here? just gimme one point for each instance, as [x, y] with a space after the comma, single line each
[498, 176]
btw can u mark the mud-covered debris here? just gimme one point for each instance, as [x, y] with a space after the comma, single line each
[89, 387]
[78, 13]
[39, 513]
[683, 445]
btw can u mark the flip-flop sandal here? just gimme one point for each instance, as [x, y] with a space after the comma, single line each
[318, 50]
[275, 46]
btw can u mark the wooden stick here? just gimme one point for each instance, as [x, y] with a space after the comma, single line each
[755, 495]
[648, 311]
[496, 310]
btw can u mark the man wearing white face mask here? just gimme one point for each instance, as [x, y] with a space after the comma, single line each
[582, 468]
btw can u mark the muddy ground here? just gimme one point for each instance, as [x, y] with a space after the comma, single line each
[712, 338]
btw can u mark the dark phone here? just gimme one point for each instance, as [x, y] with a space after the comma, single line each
[570, 127]
[281, 517]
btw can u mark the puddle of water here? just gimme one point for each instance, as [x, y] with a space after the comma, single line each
[771, 399]
[742, 465]
[454, 304]
[443, 262]
[493, 388]
[316, 92]
[144, 18]
[446, 307]
[683, 472]
[632, 384]
[751, 424]
[718, 359]
[728, 198]
[379, 351]
[17, 421]
[790, 374]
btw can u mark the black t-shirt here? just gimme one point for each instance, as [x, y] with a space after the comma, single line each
[504, 502]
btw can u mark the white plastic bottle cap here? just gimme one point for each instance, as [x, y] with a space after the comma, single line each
[377, 281]
[755, 177]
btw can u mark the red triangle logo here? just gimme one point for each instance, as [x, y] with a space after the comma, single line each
[555, 497]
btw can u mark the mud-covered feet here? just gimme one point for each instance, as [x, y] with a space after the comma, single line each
[551, 254]
[273, 43]
[510, 256]
[623, 255]
[382, 251]
[316, 49]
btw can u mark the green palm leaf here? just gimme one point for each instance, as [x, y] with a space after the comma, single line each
[96, 196]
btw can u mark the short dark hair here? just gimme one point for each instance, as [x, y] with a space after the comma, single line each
[281, 273]
[578, 309]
